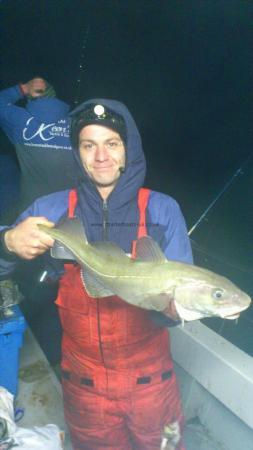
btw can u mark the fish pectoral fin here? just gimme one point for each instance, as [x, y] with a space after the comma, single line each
[109, 248]
[59, 251]
[187, 314]
[148, 250]
[93, 285]
[157, 302]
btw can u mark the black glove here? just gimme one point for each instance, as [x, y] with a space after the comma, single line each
[163, 321]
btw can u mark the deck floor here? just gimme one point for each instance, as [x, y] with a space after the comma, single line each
[39, 392]
[197, 437]
[40, 396]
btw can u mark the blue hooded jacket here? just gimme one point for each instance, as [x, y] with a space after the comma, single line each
[40, 134]
[117, 219]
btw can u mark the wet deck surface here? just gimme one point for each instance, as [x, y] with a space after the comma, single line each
[39, 390]
[197, 437]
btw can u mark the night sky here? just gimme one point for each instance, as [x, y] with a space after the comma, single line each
[185, 71]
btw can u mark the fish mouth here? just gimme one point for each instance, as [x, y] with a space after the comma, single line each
[236, 314]
[189, 315]
[231, 316]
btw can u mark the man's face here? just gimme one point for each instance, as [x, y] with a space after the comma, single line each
[37, 87]
[102, 154]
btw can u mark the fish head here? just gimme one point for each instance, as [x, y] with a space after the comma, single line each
[209, 295]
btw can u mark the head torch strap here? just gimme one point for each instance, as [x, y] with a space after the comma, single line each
[96, 114]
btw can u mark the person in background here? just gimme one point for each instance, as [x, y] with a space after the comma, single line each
[119, 386]
[39, 130]
[40, 133]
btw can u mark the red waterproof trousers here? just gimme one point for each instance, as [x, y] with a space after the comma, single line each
[119, 386]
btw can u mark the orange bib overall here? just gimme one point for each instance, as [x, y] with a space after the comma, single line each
[118, 381]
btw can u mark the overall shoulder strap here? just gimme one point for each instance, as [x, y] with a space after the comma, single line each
[72, 203]
[143, 197]
[71, 214]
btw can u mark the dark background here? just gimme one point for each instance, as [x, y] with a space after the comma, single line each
[185, 71]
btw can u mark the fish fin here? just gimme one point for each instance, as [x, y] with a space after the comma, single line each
[148, 250]
[59, 251]
[157, 302]
[93, 285]
[187, 314]
[72, 227]
[109, 248]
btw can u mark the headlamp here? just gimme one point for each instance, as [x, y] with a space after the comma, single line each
[96, 114]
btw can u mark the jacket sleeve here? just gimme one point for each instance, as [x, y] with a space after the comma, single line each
[12, 117]
[168, 228]
[53, 207]
[8, 261]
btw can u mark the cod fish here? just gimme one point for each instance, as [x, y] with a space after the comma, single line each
[150, 281]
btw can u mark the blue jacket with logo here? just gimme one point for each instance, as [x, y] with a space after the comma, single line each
[40, 134]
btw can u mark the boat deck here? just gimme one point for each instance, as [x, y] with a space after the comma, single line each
[39, 392]
[40, 397]
[198, 437]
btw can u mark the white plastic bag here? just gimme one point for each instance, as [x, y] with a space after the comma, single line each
[47, 437]
[6, 410]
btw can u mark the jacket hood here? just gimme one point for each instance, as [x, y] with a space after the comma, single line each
[135, 170]
[47, 109]
[122, 212]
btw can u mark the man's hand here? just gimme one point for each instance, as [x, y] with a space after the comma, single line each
[35, 87]
[170, 309]
[26, 240]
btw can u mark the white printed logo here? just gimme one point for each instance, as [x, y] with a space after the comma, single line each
[52, 133]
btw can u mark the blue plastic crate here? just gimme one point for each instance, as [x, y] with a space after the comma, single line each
[11, 340]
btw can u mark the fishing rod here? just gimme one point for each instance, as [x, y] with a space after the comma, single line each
[224, 189]
[81, 65]
[238, 172]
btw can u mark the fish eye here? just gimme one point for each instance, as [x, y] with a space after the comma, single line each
[217, 293]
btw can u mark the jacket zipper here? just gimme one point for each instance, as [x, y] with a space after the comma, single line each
[105, 238]
[105, 220]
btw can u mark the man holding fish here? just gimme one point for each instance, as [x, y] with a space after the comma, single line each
[120, 389]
